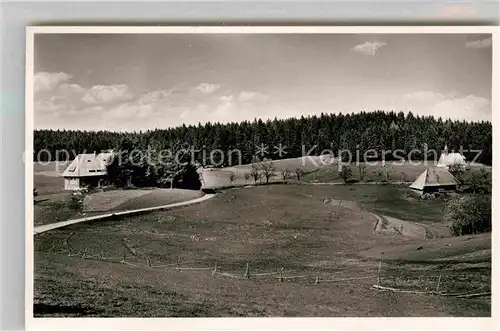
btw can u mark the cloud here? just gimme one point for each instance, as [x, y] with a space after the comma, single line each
[99, 94]
[184, 113]
[207, 88]
[147, 105]
[368, 48]
[52, 106]
[245, 96]
[451, 105]
[484, 43]
[63, 97]
[67, 108]
[57, 96]
[72, 88]
[48, 81]
[154, 97]
[223, 110]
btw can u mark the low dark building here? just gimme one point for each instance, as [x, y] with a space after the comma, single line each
[436, 179]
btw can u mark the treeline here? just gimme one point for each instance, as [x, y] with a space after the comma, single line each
[379, 131]
[133, 167]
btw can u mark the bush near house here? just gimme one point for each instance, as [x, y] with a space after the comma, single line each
[457, 169]
[247, 177]
[35, 194]
[139, 166]
[299, 173]
[268, 170]
[479, 182]
[345, 173]
[255, 173]
[469, 214]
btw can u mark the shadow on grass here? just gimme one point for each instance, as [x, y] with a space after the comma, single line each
[41, 309]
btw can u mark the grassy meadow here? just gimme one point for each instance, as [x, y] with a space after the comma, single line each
[325, 170]
[268, 228]
[53, 202]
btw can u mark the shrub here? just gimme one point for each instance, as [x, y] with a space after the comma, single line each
[35, 194]
[189, 178]
[285, 174]
[299, 173]
[56, 205]
[456, 169]
[232, 177]
[427, 196]
[362, 172]
[76, 202]
[345, 173]
[480, 182]
[383, 175]
[268, 170]
[403, 176]
[469, 214]
[255, 173]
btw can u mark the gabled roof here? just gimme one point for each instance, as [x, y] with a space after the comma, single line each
[85, 165]
[434, 177]
[447, 159]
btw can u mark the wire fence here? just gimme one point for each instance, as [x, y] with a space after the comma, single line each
[432, 284]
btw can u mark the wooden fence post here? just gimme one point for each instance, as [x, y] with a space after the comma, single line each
[215, 269]
[148, 262]
[124, 256]
[247, 271]
[439, 283]
[178, 262]
[378, 275]
[281, 275]
[317, 280]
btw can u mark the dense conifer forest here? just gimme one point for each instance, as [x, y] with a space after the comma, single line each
[381, 131]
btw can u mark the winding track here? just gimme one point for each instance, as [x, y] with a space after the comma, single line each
[52, 226]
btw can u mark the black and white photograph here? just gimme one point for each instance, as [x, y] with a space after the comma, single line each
[260, 172]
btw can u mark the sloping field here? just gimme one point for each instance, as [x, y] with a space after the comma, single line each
[158, 197]
[445, 249]
[306, 163]
[392, 200]
[389, 225]
[265, 228]
[325, 170]
[405, 172]
[46, 185]
[54, 208]
[49, 168]
[110, 200]
[217, 178]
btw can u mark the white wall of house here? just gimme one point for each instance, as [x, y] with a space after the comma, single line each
[72, 184]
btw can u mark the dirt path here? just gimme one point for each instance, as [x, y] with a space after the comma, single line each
[52, 226]
[391, 225]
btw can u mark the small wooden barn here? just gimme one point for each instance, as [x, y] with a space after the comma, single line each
[86, 170]
[435, 179]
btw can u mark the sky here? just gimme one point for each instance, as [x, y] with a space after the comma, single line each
[126, 82]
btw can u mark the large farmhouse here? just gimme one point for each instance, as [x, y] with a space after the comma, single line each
[86, 170]
[436, 179]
